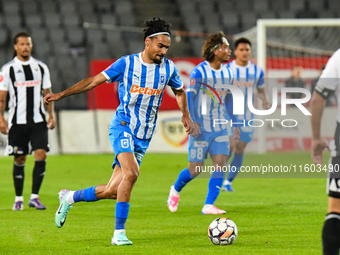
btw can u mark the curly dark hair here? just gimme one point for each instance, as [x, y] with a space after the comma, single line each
[155, 25]
[210, 44]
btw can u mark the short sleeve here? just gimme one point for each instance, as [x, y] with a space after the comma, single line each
[329, 78]
[175, 80]
[3, 79]
[115, 72]
[47, 78]
[194, 81]
[260, 82]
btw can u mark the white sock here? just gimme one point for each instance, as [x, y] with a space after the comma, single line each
[118, 231]
[226, 182]
[175, 192]
[33, 196]
[69, 198]
[19, 198]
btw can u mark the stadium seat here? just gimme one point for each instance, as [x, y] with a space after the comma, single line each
[69, 7]
[113, 36]
[10, 7]
[30, 7]
[244, 5]
[86, 7]
[103, 6]
[334, 5]
[135, 46]
[261, 5]
[279, 5]
[117, 49]
[286, 15]
[109, 19]
[127, 19]
[13, 21]
[230, 19]
[94, 36]
[99, 50]
[75, 36]
[90, 18]
[35, 20]
[248, 19]
[57, 35]
[38, 34]
[316, 5]
[53, 20]
[296, 5]
[71, 20]
[4, 37]
[48, 6]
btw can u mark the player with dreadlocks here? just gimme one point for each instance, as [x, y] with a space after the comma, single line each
[210, 77]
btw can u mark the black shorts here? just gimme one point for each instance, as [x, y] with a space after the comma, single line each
[20, 136]
[333, 181]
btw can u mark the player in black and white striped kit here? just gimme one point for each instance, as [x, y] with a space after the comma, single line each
[328, 83]
[26, 80]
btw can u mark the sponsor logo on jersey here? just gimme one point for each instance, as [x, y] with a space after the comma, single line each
[145, 91]
[27, 83]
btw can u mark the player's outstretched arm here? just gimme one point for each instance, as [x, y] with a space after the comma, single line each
[3, 122]
[182, 102]
[82, 86]
[318, 144]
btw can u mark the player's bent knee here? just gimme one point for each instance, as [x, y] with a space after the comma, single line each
[131, 176]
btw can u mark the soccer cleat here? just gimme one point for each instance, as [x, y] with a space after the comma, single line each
[18, 206]
[227, 186]
[64, 206]
[36, 204]
[211, 209]
[172, 200]
[120, 239]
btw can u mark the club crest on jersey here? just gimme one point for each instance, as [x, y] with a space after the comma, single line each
[173, 131]
[125, 143]
[162, 79]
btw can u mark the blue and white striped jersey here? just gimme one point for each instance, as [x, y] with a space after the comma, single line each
[244, 77]
[141, 88]
[203, 81]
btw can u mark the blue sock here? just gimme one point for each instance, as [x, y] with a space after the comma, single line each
[214, 187]
[183, 178]
[235, 166]
[122, 211]
[88, 195]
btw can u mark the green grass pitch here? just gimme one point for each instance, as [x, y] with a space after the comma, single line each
[273, 215]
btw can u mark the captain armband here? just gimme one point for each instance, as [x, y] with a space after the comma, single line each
[324, 92]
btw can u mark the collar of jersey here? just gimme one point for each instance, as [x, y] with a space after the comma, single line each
[147, 64]
[216, 70]
[24, 62]
[248, 65]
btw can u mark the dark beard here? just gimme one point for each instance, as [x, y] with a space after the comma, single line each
[25, 57]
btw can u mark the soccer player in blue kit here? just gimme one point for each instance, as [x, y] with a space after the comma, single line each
[213, 138]
[142, 79]
[247, 74]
